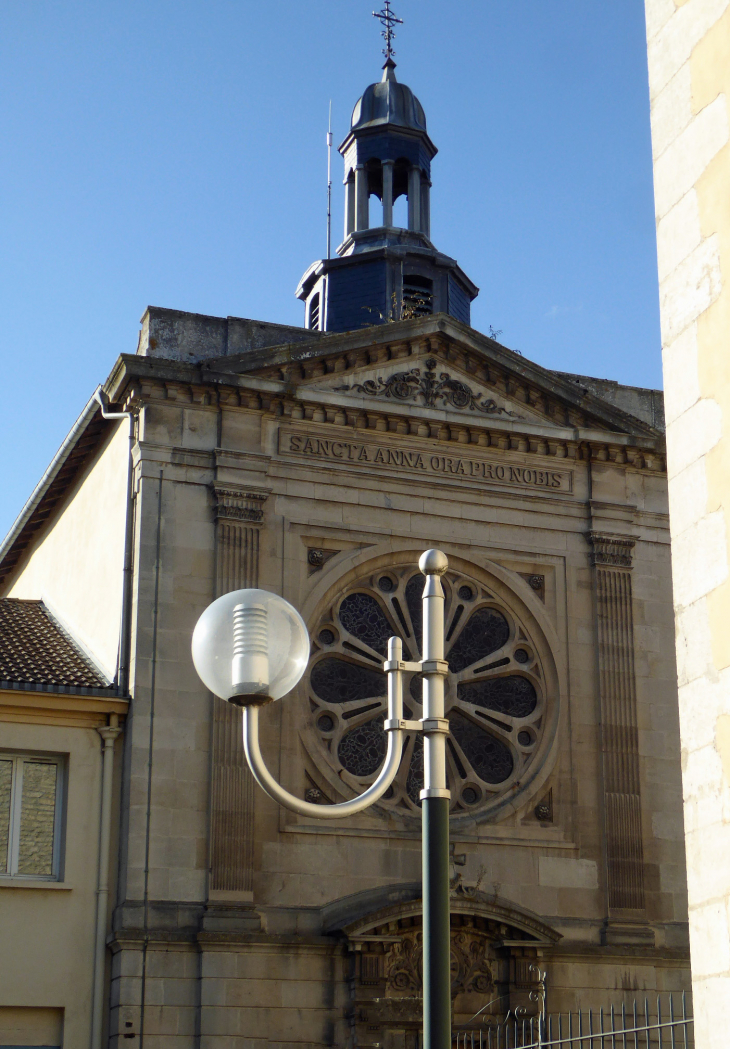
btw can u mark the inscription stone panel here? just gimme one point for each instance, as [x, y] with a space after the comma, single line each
[376, 456]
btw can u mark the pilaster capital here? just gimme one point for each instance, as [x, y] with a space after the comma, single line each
[238, 503]
[612, 550]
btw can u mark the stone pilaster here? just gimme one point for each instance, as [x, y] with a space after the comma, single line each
[611, 557]
[239, 516]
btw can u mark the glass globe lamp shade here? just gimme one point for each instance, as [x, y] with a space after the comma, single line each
[250, 646]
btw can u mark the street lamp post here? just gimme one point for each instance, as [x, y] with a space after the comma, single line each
[251, 647]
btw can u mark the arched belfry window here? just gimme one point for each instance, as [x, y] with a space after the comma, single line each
[400, 178]
[498, 700]
[375, 178]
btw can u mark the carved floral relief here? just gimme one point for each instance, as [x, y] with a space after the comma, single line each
[432, 390]
[471, 970]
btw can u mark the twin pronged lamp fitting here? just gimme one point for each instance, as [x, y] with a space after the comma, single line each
[251, 647]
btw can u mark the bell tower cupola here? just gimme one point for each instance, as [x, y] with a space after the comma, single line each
[383, 272]
[387, 155]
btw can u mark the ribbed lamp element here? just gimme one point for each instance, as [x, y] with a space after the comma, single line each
[250, 646]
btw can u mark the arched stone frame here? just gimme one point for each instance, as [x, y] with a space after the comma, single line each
[510, 590]
[499, 952]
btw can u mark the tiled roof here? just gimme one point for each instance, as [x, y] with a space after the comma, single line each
[35, 650]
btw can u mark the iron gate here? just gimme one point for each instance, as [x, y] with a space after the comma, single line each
[632, 1027]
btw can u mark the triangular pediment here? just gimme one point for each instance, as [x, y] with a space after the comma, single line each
[436, 363]
[427, 382]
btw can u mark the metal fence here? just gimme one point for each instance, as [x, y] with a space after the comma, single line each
[632, 1027]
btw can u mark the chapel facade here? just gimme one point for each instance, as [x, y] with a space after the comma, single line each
[319, 463]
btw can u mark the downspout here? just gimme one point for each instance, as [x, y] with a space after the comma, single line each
[150, 757]
[126, 620]
[109, 734]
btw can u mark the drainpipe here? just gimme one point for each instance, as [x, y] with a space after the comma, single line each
[109, 734]
[126, 622]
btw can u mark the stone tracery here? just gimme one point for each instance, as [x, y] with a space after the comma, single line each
[496, 699]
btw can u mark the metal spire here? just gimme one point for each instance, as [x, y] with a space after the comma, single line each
[389, 21]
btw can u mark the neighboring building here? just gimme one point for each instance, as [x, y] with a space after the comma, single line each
[60, 719]
[689, 75]
[319, 464]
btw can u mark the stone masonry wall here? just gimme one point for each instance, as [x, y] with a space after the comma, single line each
[689, 72]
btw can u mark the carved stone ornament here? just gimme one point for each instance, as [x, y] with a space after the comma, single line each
[493, 956]
[613, 550]
[471, 970]
[470, 967]
[404, 966]
[544, 810]
[239, 504]
[410, 385]
[317, 558]
[536, 583]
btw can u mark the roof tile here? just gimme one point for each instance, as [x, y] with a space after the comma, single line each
[34, 648]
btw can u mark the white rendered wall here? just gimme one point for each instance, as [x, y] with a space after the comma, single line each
[76, 567]
[689, 73]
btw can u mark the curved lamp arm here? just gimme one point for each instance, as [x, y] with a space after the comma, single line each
[394, 727]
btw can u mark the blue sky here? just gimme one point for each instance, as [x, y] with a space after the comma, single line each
[172, 152]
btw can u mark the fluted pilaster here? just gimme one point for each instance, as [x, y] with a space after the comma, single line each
[611, 557]
[239, 517]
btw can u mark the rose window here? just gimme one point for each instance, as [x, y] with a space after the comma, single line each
[495, 690]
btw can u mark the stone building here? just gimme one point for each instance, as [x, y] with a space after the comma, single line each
[319, 463]
[689, 76]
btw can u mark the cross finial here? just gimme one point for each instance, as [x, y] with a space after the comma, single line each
[389, 21]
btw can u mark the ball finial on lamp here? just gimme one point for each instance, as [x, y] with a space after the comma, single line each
[433, 562]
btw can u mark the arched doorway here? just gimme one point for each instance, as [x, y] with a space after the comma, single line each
[497, 953]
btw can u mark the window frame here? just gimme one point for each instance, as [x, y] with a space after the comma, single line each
[18, 759]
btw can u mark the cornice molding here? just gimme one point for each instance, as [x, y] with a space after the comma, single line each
[56, 708]
[439, 334]
[293, 401]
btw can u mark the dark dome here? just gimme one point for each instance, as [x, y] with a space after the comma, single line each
[389, 103]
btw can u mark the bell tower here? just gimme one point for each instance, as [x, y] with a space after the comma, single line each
[382, 272]
[387, 155]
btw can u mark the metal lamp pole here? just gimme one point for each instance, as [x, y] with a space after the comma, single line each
[435, 798]
[435, 814]
[249, 673]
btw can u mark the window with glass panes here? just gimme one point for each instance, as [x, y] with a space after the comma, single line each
[30, 815]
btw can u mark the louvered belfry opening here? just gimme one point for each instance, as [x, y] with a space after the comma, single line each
[417, 297]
